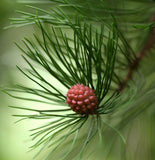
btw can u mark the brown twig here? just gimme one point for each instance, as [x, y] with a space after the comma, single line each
[134, 65]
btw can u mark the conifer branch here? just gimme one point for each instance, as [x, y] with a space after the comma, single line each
[135, 63]
[93, 55]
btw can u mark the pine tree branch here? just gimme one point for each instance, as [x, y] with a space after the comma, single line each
[144, 51]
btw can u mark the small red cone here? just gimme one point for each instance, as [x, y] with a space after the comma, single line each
[82, 99]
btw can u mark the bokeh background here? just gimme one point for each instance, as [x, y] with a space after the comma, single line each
[14, 138]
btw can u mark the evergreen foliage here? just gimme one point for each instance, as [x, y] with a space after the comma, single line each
[89, 43]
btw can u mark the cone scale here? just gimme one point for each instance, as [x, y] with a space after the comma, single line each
[82, 99]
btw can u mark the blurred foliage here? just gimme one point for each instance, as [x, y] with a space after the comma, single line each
[12, 139]
[6, 9]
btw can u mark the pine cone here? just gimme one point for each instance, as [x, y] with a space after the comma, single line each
[82, 99]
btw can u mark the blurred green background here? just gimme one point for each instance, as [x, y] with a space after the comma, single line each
[14, 138]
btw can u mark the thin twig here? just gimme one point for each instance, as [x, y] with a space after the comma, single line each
[134, 65]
